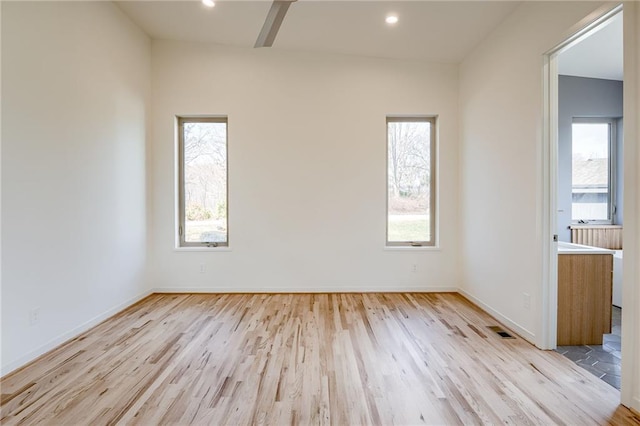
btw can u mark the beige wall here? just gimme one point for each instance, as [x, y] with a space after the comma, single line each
[75, 82]
[501, 104]
[501, 156]
[307, 168]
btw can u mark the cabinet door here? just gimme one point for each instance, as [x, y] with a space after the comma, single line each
[584, 298]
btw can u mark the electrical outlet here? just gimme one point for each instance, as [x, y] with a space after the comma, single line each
[34, 316]
[202, 268]
[414, 268]
[526, 300]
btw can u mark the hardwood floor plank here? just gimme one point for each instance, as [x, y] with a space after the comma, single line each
[304, 359]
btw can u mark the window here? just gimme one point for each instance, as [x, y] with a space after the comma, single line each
[202, 175]
[592, 170]
[411, 181]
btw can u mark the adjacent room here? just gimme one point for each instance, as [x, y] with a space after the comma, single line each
[590, 200]
[315, 212]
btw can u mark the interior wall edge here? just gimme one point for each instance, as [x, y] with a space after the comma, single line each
[630, 389]
[69, 335]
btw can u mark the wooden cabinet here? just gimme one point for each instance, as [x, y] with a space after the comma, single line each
[584, 298]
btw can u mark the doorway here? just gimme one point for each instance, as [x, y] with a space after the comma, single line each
[585, 181]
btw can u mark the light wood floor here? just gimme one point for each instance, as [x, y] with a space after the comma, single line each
[343, 359]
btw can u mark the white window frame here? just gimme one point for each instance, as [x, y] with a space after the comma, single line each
[432, 242]
[181, 243]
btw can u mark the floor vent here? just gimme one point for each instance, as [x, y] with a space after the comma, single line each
[500, 332]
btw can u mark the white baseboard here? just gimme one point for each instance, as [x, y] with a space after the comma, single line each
[348, 289]
[517, 328]
[22, 361]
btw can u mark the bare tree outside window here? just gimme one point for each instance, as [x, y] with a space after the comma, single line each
[203, 173]
[410, 163]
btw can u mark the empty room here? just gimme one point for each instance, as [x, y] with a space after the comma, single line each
[317, 212]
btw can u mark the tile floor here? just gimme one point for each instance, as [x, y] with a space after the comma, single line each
[600, 360]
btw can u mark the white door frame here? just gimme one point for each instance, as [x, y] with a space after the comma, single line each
[630, 390]
[548, 331]
[584, 29]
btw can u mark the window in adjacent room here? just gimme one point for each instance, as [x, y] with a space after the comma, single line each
[592, 171]
[411, 181]
[202, 177]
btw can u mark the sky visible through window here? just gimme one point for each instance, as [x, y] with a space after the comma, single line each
[590, 140]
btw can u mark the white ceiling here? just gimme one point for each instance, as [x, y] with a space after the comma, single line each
[440, 31]
[598, 56]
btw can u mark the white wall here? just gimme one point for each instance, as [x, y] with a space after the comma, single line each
[501, 104]
[307, 160]
[75, 82]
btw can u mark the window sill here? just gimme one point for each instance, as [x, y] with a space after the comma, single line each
[594, 225]
[412, 248]
[199, 249]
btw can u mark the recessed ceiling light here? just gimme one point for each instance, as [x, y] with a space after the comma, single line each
[391, 19]
[208, 3]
